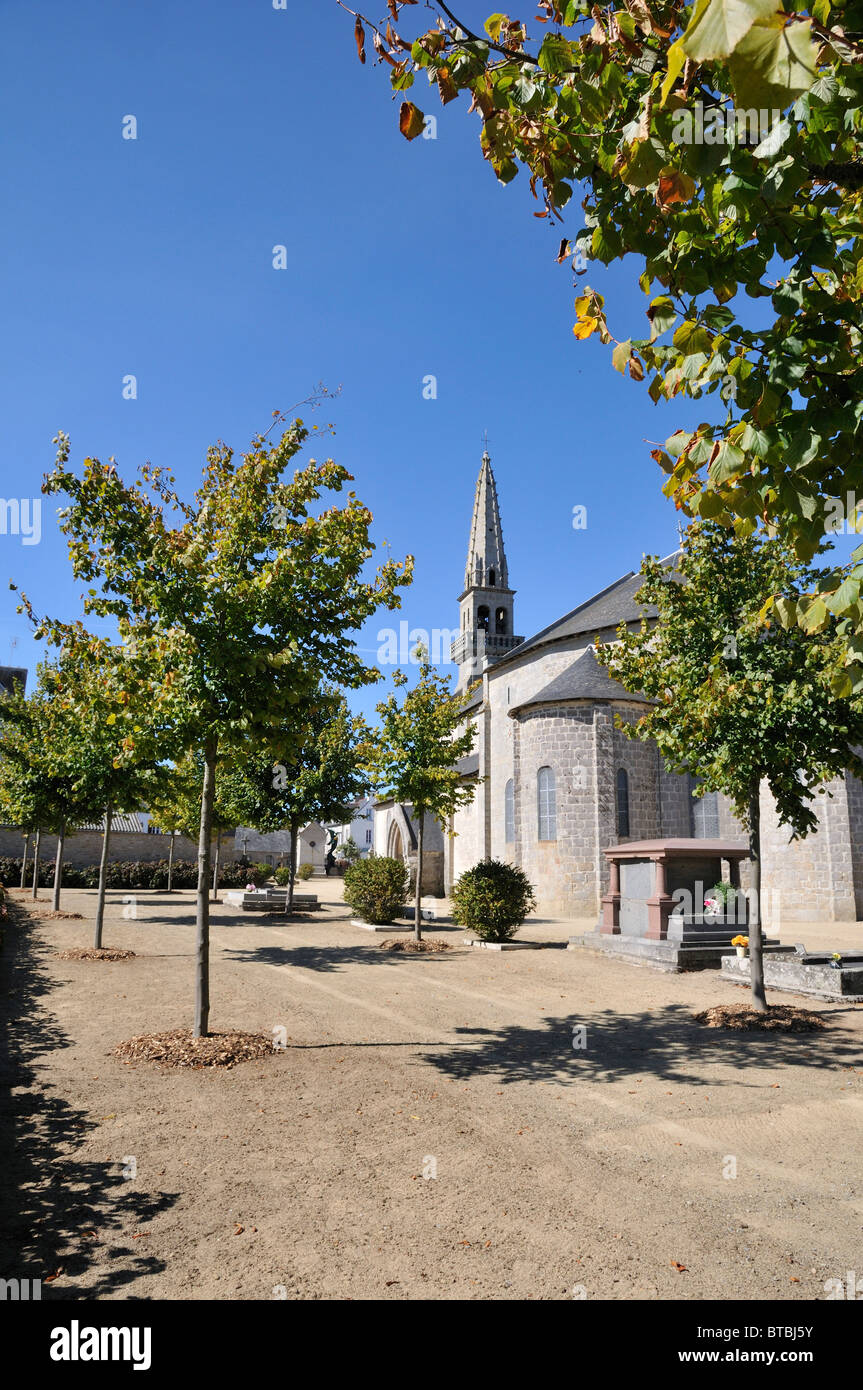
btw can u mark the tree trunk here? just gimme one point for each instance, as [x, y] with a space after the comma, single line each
[103, 878]
[216, 866]
[24, 861]
[36, 847]
[202, 919]
[171, 863]
[756, 955]
[295, 830]
[418, 934]
[58, 869]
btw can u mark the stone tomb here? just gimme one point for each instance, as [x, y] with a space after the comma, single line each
[795, 971]
[653, 911]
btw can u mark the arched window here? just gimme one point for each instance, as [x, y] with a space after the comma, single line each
[500, 620]
[705, 816]
[622, 803]
[491, 578]
[482, 618]
[509, 812]
[546, 804]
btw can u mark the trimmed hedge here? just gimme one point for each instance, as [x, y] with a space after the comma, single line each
[134, 874]
[376, 888]
[492, 899]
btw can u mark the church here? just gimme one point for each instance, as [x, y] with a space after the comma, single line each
[557, 782]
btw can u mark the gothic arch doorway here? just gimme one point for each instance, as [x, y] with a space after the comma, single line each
[395, 844]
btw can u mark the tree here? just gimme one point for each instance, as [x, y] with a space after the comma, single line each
[417, 746]
[315, 766]
[178, 808]
[175, 808]
[49, 763]
[720, 143]
[246, 602]
[737, 699]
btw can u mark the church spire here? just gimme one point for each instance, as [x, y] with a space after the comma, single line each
[486, 559]
[486, 604]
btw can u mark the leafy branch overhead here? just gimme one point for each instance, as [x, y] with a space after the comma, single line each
[720, 144]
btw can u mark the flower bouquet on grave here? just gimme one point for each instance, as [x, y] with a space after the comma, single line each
[742, 944]
[715, 900]
[836, 961]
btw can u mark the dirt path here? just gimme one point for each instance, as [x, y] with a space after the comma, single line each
[310, 1175]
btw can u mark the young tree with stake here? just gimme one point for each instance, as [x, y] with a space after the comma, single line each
[416, 748]
[250, 591]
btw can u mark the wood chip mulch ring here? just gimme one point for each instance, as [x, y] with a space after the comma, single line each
[179, 1048]
[49, 916]
[784, 1018]
[109, 953]
[396, 943]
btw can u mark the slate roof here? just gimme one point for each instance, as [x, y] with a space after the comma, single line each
[469, 766]
[607, 609]
[604, 612]
[475, 700]
[585, 679]
[131, 823]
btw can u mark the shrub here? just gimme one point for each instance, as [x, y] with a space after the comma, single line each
[235, 873]
[258, 874]
[305, 871]
[376, 888]
[492, 899]
[283, 875]
[350, 850]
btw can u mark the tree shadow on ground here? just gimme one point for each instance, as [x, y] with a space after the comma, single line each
[666, 1043]
[330, 958]
[49, 1199]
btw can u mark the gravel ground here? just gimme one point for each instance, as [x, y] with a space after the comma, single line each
[428, 1130]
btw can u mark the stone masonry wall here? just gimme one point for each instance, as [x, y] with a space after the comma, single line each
[85, 847]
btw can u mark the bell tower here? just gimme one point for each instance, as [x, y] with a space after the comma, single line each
[486, 627]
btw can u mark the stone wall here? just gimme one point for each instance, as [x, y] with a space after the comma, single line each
[85, 847]
[562, 870]
[810, 879]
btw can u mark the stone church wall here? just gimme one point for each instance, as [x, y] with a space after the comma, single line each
[507, 688]
[563, 871]
[810, 879]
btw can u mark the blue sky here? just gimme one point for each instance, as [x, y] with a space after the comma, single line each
[153, 257]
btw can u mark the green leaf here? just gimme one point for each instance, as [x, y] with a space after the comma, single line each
[621, 355]
[555, 55]
[676, 60]
[492, 26]
[729, 462]
[813, 615]
[773, 64]
[691, 337]
[643, 165]
[773, 140]
[845, 596]
[717, 26]
[662, 315]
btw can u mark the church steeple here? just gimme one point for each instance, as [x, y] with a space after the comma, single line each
[486, 560]
[486, 604]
